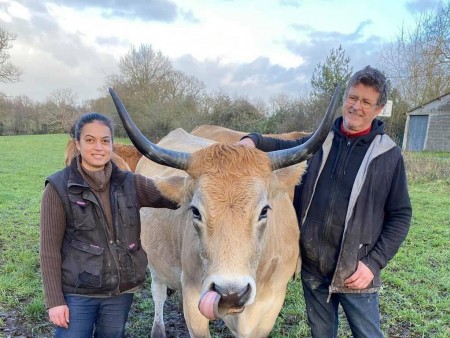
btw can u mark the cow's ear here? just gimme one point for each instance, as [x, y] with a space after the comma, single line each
[287, 178]
[173, 187]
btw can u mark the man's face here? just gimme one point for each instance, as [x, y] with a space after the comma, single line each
[359, 108]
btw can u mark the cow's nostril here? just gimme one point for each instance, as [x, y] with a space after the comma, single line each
[245, 291]
[244, 296]
[213, 288]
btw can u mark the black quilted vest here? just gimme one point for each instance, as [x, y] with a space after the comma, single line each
[94, 261]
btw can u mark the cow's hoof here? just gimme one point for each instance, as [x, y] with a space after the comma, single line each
[158, 331]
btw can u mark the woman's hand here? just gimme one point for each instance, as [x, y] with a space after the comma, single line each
[59, 315]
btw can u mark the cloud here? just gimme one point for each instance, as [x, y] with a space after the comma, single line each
[317, 45]
[417, 6]
[75, 44]
[290, 3]
[189, 16]
[262, 71]
[107, 41]
[147, 10]
[52, 59]
[262, 78]
[258, 79]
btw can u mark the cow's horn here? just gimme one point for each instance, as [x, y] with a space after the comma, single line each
[167, 157]
[286, 157]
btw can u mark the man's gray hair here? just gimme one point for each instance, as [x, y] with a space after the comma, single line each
[371, 77]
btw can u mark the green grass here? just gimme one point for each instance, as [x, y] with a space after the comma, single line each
[418, 281]
[415, 299]
[427, 166]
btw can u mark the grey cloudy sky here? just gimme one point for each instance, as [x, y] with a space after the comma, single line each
[256, 48]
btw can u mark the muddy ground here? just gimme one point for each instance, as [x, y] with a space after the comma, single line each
[141, 314]
[138, 326]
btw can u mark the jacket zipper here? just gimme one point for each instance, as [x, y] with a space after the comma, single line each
[343, 160]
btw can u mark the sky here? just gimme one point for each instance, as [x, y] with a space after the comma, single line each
[255, 48]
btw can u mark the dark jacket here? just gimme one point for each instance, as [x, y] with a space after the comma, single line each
[352, 204]
[93, 262]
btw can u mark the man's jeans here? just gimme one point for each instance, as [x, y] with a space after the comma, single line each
[361, 310]
[107, 315]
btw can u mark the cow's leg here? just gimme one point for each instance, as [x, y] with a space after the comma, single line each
[159, 295]
[197, 324]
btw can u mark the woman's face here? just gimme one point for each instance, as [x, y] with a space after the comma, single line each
[95, 145]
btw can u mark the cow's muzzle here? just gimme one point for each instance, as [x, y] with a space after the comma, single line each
[216, 303]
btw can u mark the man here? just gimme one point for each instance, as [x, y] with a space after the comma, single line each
[353, 208]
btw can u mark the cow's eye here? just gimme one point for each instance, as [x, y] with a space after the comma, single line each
[263, 214]
[196, 213]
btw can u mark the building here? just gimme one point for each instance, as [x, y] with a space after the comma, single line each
[428, 126]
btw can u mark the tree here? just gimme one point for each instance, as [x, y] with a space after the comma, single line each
[8, 72]
[235, 113]
[325, 78]
[395, 125]
[157, 95]
[22, 123]
[151, 74]
[60, 111]
[145, 69]
[288, 114]
[418, 60]
[328, 75]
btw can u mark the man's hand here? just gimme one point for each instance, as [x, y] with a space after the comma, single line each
[361, 279]
[246, 141]
[59, 315]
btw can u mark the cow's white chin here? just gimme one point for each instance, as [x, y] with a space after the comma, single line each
[209, 306]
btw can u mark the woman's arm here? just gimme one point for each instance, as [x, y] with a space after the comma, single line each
[53, 225]
[149, 196]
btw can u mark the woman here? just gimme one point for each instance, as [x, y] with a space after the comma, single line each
[91, 256]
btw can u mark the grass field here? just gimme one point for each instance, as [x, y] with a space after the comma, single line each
[415, 299]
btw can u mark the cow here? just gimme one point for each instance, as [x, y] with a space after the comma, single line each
[128, 153]
[125, 156]
[232, 245]
[225, 135]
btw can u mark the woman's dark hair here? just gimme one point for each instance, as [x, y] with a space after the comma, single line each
[84, 119]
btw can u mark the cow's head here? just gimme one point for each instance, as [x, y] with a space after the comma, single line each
[230, 207]
[234, 190]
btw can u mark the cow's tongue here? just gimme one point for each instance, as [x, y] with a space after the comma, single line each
[209, 305]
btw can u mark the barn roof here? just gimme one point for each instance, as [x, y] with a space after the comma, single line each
[424, 104]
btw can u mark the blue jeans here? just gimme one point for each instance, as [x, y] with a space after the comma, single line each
[361, 310]
[106, 315]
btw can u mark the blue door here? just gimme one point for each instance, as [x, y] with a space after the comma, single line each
[417, 132]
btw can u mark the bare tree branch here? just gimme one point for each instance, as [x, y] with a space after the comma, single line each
[418, 61]
[8, 72]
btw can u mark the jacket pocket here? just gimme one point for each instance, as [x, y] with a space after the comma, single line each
[83, 213]
[309, 240]
[362, 251]
[129, 214]
[133, 264]
[83, 266]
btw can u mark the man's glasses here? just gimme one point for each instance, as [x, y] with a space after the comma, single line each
[365, 104]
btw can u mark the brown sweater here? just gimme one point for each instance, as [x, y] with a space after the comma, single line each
[53, 223]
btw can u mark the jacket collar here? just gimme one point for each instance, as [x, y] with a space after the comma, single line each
[76, 179]
[377, 128]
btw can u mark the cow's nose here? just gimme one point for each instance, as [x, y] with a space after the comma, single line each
[232, 296]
